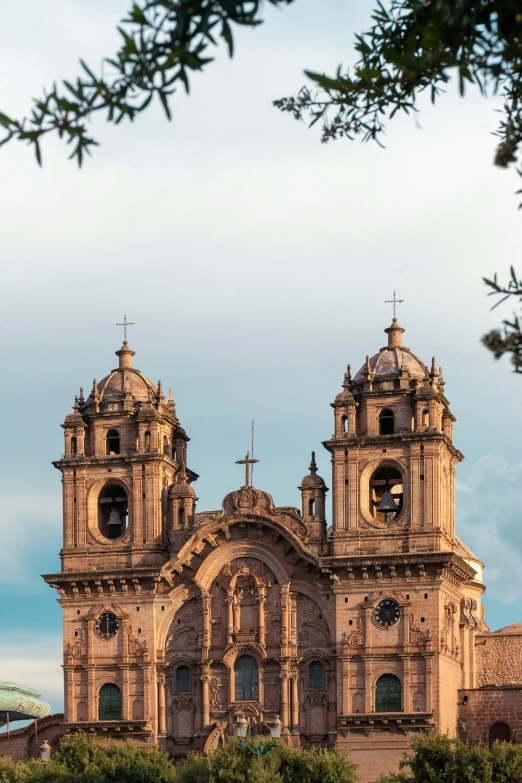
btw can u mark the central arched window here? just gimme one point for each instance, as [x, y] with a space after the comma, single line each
[386, 494]
[246, 673]
[113, 509]
[183, 679]
[388, 694]
[113, 442]
[316, 675]
[311, 507]
[109, 702]
[499, 732]
[386, 422]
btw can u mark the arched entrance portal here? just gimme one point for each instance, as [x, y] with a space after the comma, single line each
[499, 732]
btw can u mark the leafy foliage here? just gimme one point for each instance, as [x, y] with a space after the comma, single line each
[163, 42]
[439, 759]
[416, 45]
[508, 339]
[81, 760]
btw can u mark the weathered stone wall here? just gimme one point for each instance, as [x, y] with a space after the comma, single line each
[479, 709]
[499, 660]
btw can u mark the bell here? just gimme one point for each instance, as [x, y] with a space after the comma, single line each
[387, 504]
[114, 518]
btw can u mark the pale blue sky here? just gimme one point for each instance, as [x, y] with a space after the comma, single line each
[255, 262]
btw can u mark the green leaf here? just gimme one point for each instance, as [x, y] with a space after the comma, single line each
[226, 33]
[5, 121]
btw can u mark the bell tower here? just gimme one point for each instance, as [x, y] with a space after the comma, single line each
[393, 458]
[127, 502]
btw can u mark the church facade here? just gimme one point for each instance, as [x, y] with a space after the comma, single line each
[356, 635]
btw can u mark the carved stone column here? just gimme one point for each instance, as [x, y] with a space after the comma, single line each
[206, 601]
[162, 722]
[261, 600]
[70, 711]
[92, 707]
[125, 706]
[406, 679]
[237, 618]
[205, 695]
[230, 616]
[285, 614]
[295, 702]
[346, 710]
[285, 716]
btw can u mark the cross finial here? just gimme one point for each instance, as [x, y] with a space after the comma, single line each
[394, 302]
[247, 462]
[125, 324]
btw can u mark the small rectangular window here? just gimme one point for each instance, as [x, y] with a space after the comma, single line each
[345, 600]
[425, 595]
[350, 622]
[139, 630]
[422, 619]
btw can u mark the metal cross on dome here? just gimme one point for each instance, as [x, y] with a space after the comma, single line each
[394, 302]
[247, 462]
[125, 324]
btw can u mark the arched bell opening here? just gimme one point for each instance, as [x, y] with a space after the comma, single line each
[386, 494]
[74, 446]
[386, 422]
[112, 443]
[113, 510]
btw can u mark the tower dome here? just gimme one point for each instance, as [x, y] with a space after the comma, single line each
[393, 361]
[124, 382]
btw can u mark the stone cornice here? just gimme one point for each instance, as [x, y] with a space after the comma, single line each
[347, 441]
[401, 566]
[107, 585]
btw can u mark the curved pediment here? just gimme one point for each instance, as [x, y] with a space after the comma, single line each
[262, 524]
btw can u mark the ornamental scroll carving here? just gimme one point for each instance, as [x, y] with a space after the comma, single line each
[79, 648]
[219, 692]
[135, 646]
[355, 638]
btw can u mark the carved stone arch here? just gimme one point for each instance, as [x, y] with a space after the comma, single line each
[304, 586]
[247, 709]
[185, 634]
[92, 509]
[390, 667]
[234, 550]
[178, 596]
[231, 655]
[364, 490]
[204, 533]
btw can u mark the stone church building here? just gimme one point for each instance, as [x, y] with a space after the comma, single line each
[357, 633]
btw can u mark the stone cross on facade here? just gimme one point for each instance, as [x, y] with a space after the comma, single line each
[125, 324]
[247, 462]
[394, 302]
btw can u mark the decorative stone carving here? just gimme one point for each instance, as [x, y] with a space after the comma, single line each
[79, 648]
[219, 692]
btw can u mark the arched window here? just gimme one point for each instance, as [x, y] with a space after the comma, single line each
[316, 675]
[183, 679]
[113, 509]
[344, 424]
[386, 422]
[113, 442]
[311, 507]
[386, 492]
[74, 448]
[246, 674]
[181, 517]
[147, 441]
[388, 694]
[166, 448]
[499, 732]
[425, 418]
[109, 702]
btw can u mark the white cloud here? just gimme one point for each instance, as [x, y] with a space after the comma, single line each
[489, 517]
